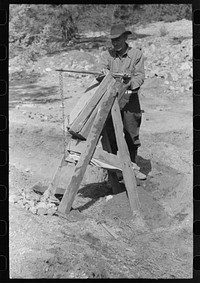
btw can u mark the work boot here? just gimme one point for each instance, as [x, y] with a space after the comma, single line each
[139, 175]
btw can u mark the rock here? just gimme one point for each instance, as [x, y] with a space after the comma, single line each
[189, 87]
[27, 206]
[42, 205]
[48, 70]
[21, 203]
[28, 196]
[12, 198]
[31, 203]
[50, 205]
[27, 170]
[109, 197]
[18, 198]
[35, 197]
[185, 66]
[33, 210]
[52, 211]
[42, 211]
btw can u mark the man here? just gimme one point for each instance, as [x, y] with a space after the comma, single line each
[123, 59]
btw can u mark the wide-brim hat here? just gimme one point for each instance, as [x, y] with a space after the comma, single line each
[117, 30]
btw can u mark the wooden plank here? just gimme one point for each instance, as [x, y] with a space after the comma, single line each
[82, 102]
[99, 154]
[84, 132]
[128, 173]
[88, 123]
[86, 155]
[91, 105]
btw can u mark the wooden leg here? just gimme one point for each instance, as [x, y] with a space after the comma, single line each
[128, 173]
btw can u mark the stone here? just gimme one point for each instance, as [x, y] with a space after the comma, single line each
[41, 205]
[52, 211]
[31, 203]
[36, 197]
[33, 210]
[12, 198]
[26, 206]
[42, 211]
[19, 196]
[28, 196]
[109, 197]
[20, 203]
[50, 205]
[185, 66]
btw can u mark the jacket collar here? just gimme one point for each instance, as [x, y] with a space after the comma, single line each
[114, 54]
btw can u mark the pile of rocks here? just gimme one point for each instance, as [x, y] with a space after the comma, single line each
[35, 203]
[170, 59]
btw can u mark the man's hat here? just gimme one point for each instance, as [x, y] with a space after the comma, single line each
[117, 30]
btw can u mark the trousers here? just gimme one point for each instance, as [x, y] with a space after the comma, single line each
[131, 117]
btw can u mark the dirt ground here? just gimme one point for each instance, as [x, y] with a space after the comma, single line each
[79, 246]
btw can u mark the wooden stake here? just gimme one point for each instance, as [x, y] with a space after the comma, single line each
[128, 173]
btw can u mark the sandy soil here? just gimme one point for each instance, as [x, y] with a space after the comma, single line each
[78, 246]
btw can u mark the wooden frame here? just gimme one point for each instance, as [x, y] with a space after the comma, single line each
[109, 103]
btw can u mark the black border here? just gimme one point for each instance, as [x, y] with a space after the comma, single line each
[4, 5]
[196, 135]
[4, 246]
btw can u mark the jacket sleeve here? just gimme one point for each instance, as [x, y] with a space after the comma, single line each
[138, 73]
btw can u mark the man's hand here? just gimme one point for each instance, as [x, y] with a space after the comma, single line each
[105, 71]
[126, 78]
[100, 77]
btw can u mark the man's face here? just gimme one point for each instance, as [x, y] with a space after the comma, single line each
[119, 42]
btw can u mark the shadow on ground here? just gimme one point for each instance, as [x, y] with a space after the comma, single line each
[144, 164]
[33, 93]
[93, 191]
